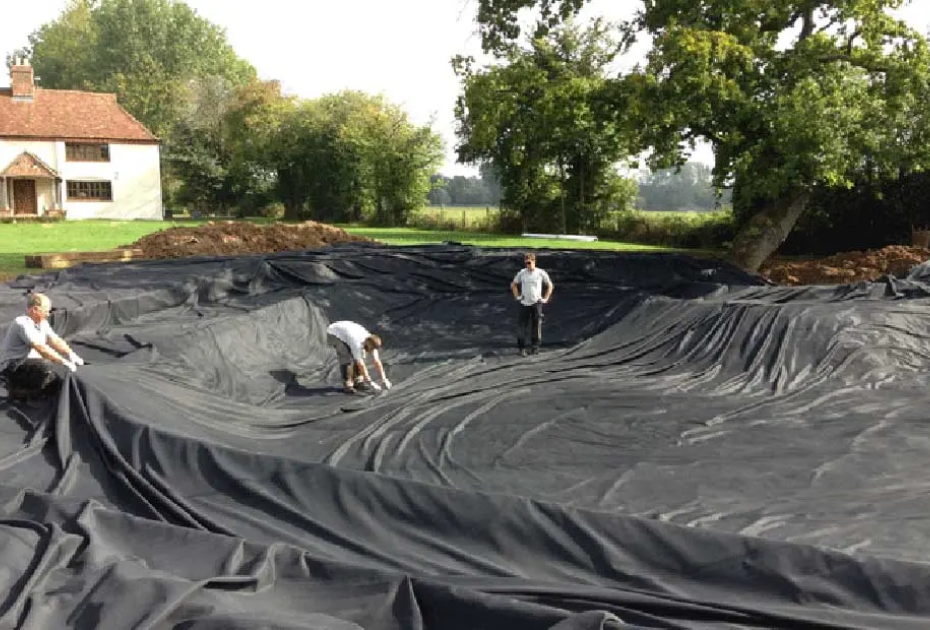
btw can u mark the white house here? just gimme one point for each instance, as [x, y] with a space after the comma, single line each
[76, 153]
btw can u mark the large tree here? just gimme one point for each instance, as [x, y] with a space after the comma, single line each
[540, 115]
[350, 156]
[153, 54]
[791, 94]
[222, 144]
[146, 51]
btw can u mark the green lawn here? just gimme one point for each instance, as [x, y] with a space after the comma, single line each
[19, 239]
[412, 236]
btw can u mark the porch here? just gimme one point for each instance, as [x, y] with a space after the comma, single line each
[30, 188]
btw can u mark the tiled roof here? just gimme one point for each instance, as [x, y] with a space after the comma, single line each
[69, 115]
[27, 165]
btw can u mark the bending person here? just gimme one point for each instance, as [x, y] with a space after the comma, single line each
[31, 350]
[352, 342]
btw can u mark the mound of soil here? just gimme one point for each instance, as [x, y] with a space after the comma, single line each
[846, 267]
[238, 237]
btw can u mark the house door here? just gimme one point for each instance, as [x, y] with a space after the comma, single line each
[24, 196]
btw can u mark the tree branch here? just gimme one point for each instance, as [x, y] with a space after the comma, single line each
[807, 27]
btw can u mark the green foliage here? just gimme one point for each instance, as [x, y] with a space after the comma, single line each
[868, 215]
[222, 145]
[143, 50]
[791, 94]
[699, 230]
[349, 156]
[542, 118]
[167, 66]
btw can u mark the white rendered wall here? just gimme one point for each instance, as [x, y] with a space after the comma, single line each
[133, 172]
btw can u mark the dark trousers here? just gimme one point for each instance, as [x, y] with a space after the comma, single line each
[343, 355]
[32, 377]
[529, 326]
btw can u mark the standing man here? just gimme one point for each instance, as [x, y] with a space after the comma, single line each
[527, 287]
[352, 342]
[31, 349]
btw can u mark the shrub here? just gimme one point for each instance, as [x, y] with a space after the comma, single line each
[702, 230]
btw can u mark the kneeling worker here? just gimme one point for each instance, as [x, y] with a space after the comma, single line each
[31, 349]
[351, 342]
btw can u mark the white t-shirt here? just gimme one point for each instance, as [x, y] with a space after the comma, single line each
[352, 334]
[531, 285]
[22, 334]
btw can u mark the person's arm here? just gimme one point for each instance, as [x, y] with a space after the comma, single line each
[549, 287]
[362, 370]
[58, 344]
[376, 359]
[62, 348]
[50, 353]
[515, 286]
[38, 343]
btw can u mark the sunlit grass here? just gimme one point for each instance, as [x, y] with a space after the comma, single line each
[411, 236]
[20, 239]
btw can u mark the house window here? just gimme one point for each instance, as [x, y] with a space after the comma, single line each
[85, 152]
[90, 191]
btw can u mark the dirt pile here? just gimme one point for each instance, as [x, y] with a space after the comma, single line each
[238, 237]
[895, 260]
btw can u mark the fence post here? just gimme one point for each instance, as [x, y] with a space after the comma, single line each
[464, 224]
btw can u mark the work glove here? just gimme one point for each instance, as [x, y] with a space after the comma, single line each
[74, 358]
[70, 365]
[374, 386]
[386, 383]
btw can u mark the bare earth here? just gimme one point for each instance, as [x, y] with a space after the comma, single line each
[894, 260]
[233, 237]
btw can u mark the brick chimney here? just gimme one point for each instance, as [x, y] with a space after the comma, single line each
[22, 81]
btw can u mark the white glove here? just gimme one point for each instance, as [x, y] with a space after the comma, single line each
[70, 365]
[75, 359]
[374, 386]
[543, 300]
[386, 383]
[518, 297]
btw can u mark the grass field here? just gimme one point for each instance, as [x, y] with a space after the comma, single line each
[19, 239]
[413, 236]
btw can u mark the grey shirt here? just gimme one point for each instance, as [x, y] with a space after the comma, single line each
[22, 334]
[531, 285]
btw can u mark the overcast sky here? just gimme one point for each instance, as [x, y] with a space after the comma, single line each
[400, 48]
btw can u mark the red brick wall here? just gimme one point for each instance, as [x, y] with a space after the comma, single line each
[22, 81]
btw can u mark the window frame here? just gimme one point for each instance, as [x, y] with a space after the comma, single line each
[87, 152]
[96, 189]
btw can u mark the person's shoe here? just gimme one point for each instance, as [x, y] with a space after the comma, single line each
[534, 351]
[522, 352]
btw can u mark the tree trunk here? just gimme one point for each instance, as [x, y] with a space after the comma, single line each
[767, 230]
[562, 196]
[291, 210]
[582, 212]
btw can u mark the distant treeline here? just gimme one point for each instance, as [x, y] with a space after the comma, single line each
[687, 189]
